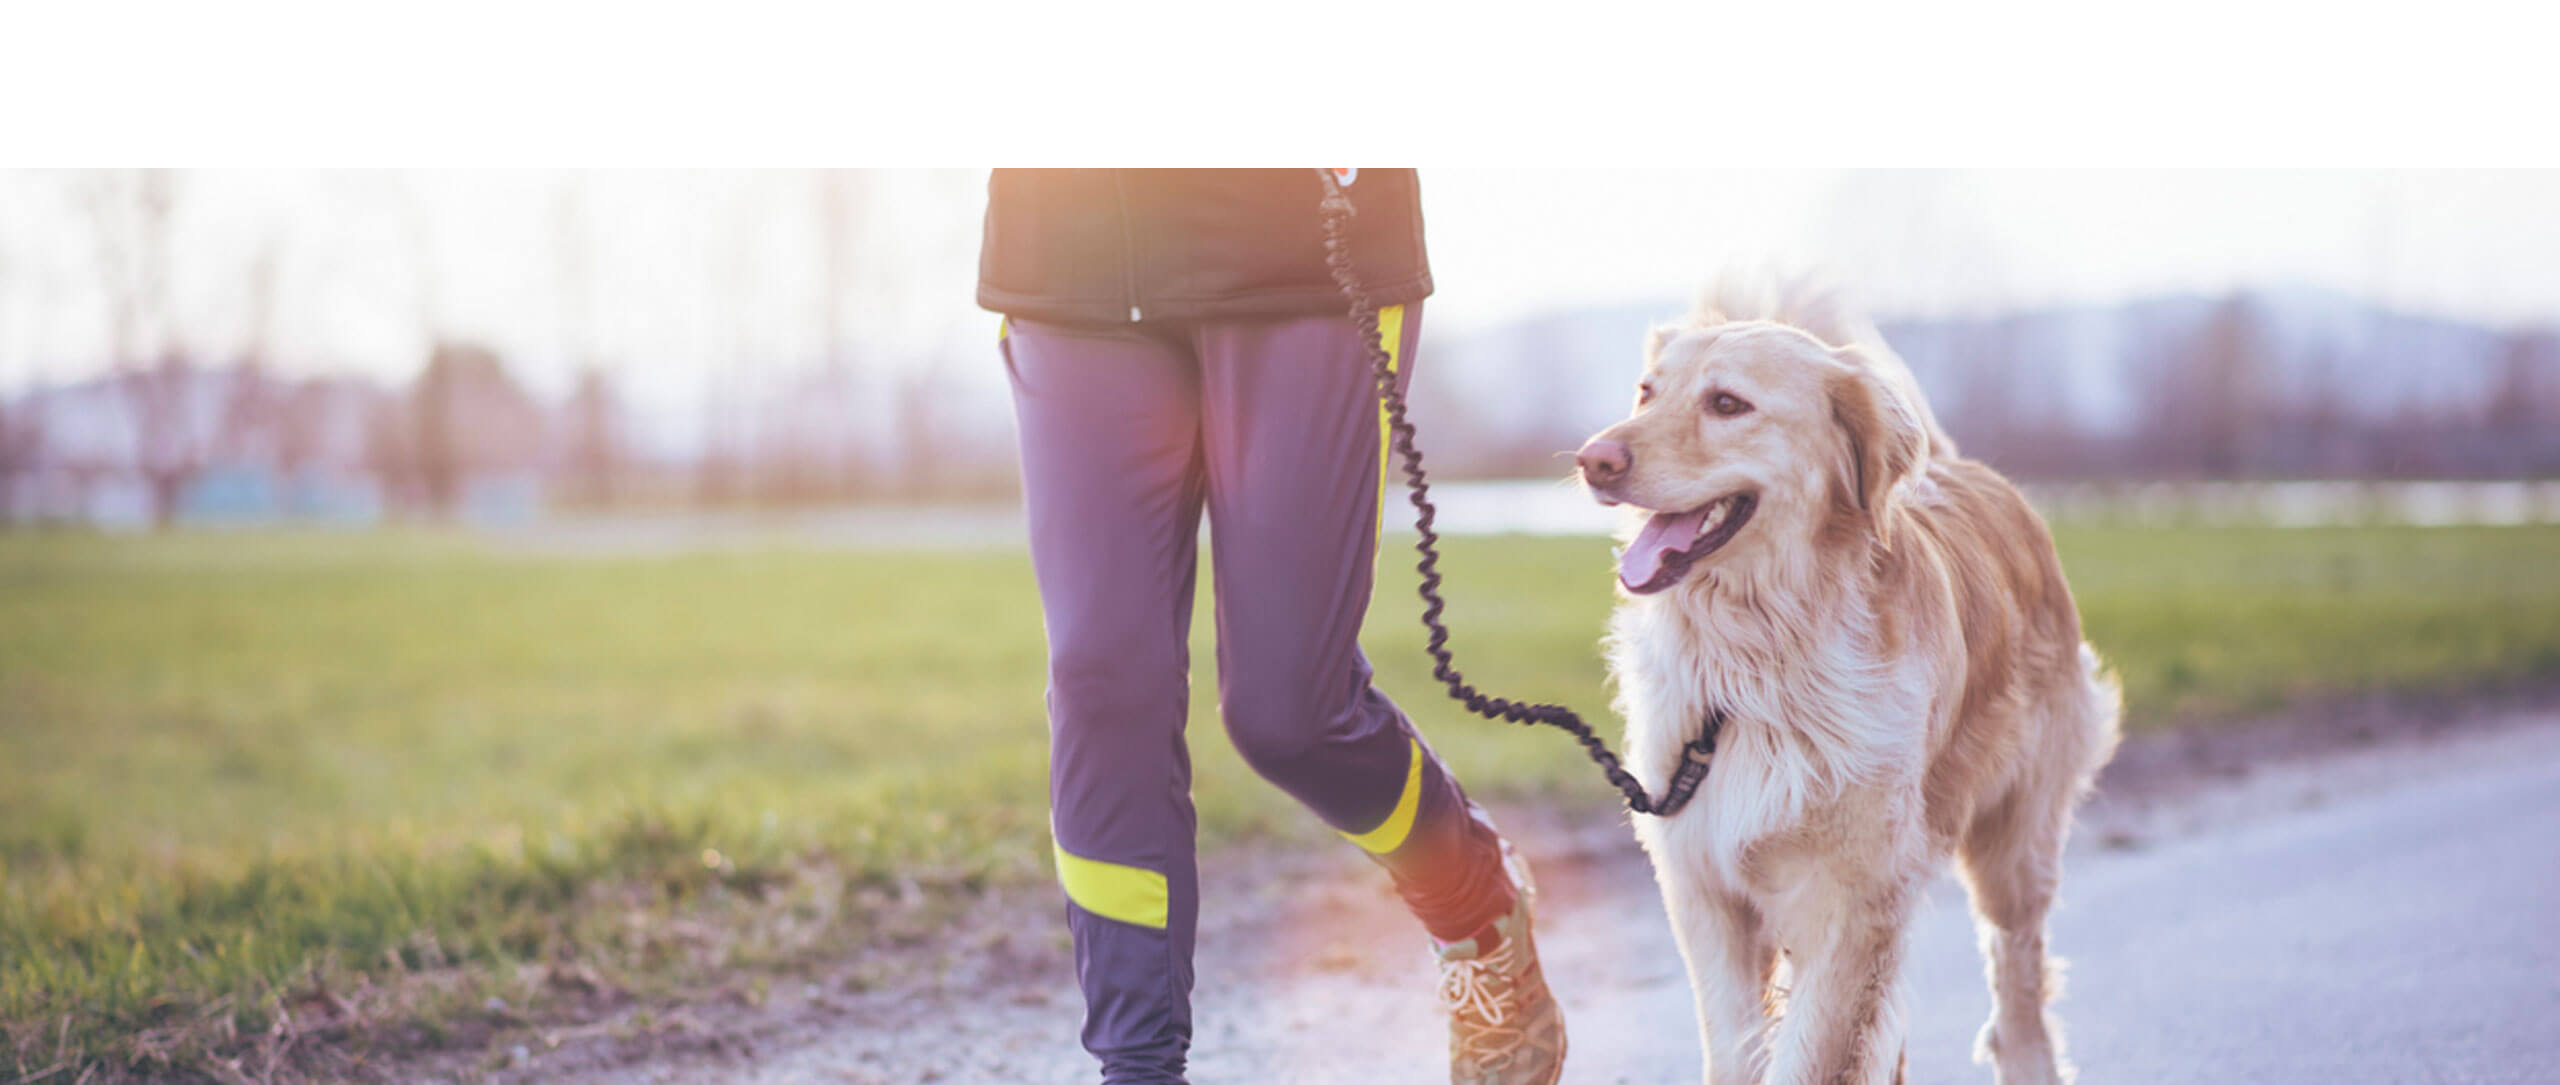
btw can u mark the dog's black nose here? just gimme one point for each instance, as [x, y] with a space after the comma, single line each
[1604, 461]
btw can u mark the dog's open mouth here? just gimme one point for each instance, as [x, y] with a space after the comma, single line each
[1672, 541]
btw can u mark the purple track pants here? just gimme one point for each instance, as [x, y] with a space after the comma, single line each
[1272, 426]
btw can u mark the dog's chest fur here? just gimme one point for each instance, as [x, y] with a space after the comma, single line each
[1823, 738]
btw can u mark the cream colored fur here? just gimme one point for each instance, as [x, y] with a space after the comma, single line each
[1904, 677]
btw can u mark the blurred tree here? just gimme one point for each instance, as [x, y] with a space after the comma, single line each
[2322, 442]
[391, 450]
[921, 462]
[838, 195]
[2203, 397]
[302, 426]
[1987, 378]
[21, 434]
[170, 446]
[733, 380]
[128, 213]
[719, 468]
[464, 417]
[593, 457]
[2523, 412]
[843, 199]
[2225, 384]
[597, 444]
[21, 446]
[253, 400]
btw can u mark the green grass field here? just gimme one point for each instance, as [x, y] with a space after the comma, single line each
[347, 789]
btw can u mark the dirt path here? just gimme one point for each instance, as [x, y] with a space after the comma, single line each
[1309, 971]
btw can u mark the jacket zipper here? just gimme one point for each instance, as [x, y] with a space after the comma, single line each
[1128, 248]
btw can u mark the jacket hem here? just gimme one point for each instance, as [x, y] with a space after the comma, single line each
[1287, 301]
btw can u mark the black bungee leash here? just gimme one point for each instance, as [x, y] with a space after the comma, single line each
[1694, 756]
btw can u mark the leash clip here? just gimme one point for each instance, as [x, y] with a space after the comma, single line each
[1695, 757]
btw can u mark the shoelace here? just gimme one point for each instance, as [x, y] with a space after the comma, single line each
[1477, 987]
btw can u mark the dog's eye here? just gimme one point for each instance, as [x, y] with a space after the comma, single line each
[1644, 393]
[1728, 404]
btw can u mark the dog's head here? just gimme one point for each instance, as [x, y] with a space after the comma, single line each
[1748, 438]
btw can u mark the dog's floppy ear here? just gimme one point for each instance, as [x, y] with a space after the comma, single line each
[1883, 441]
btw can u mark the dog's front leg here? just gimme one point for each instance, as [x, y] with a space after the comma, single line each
[1729, 961]
[1844, 1020]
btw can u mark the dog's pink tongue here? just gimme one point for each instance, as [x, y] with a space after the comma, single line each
[1666, 534]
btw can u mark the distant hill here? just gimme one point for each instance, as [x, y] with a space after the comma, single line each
[2286, 382]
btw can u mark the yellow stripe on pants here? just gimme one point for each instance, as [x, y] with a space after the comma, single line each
[1390, 337]
[1113, 891]
[1390, 834]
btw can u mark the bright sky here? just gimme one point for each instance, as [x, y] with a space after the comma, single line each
[2480, 245]
[696, 280]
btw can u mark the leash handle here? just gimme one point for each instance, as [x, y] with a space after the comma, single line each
[1694, 756]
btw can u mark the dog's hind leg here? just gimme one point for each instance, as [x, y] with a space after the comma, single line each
[2012, 858]
[1730, 964]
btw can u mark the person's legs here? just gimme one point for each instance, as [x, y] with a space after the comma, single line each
[1291, 438]
[1111, 474]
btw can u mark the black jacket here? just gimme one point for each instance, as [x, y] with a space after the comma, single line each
[1123, 246]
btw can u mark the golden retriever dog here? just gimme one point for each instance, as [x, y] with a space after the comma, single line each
[1888, 632]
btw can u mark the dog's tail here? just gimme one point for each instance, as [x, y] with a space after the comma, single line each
[1811, 303]
[2105, 714]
